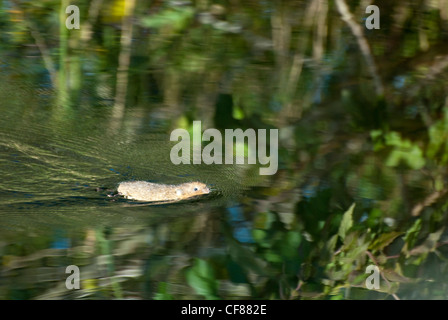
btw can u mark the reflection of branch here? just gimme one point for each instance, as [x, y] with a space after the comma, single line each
[362, 42]
[124, 60]
[86, 29]
[281, 30]
[429, 200]
[438, 66]
[40, 43]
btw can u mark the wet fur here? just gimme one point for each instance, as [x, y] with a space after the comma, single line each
[148, 191]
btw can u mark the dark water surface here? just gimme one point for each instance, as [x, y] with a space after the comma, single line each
[61, 171]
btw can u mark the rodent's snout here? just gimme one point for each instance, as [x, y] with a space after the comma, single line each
[204, 190]
[197, 188]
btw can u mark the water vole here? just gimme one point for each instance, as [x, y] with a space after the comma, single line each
[147, 191]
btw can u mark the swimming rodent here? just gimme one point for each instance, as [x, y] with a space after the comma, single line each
[147, 191]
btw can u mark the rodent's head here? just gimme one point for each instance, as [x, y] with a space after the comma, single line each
[192, 189]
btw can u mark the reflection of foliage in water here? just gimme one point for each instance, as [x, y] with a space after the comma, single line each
[293, 66]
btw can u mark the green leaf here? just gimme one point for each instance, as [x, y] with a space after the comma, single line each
[162, 292]
[429, 244]
[392, 275]
[403, 150]
[175, 19]
[237, 113]
[347, 222]
[273, 257]
[384, 240]
[290, 244]
[411, 235]
[294, 238]
[247, 258]
[330, 247]
[202, 279]
[438, 143]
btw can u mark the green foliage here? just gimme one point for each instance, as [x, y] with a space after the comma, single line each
[402, 151]
[174, 19]
[202, 279]
[162, 292]
[384, 240]
[438, 139]
[346, 223]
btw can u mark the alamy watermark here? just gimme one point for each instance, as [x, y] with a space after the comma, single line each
[72, 21]
[212, 153]
[372, 22]
[72, 281]
[373, 281]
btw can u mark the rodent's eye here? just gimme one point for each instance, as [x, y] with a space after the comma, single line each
[195, 189]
